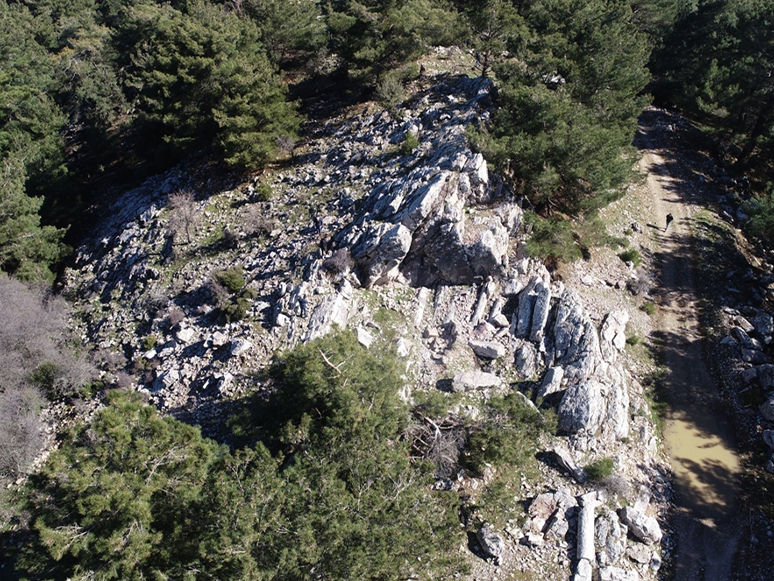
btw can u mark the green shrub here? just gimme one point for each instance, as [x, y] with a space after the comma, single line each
[235, 309]
[434, 403]
[232, 278]
[49, 378]
[264, 192]
[631, 255]
[506, 435]
[149, 342]
[552, 240]
[648, 308]
[558, 240]
[632, 340]
[331, 381]
[761, 211]
[90, 389]
[498, 503]
[591, 232]
[599, 469]
[390, 91]
[236, 306]
[410, 143]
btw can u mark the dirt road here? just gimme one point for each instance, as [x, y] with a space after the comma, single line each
[698, 434]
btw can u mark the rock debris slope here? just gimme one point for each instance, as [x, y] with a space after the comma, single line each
[396, 229]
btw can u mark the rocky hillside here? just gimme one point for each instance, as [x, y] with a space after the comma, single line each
[388, 224]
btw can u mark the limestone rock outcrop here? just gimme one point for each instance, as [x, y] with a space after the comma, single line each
[422, 251]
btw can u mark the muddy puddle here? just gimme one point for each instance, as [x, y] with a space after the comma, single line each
[705, 467]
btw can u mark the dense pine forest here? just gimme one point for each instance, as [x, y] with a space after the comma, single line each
[96, 96]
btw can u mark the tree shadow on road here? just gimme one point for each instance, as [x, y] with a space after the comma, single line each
[727, 279]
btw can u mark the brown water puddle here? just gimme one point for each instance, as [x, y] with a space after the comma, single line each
[705, 468]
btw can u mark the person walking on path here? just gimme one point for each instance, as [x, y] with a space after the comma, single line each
[669, 219]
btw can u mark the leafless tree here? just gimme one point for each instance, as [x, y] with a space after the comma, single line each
[183, 215]
[257, 223]
[440, 442]
[34, 358]
[174, 316]
[286, 144]
[22, 434]
[339, 262]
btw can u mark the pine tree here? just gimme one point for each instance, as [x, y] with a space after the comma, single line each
[569, 104]
[202, 76]
[375, 37]
[717, 63]
[291, 30]
[27, 249]
[30, 121]
[137, 496]
[111, 501]
[496, 27]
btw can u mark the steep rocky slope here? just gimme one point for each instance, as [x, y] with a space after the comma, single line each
[389, 225]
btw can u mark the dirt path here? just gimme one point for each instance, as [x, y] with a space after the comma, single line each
[698, 436]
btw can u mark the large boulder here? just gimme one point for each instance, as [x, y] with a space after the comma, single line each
[491, 541]
[585, 550]
[458, 250]
[527, 360]
[642, 526]
[487, 349]
[420, 205]
[522, 318]
[583, 571]
[765, 375]
[380, 251]
[597, 392]
[166, 380]
[639, 553]
[332, 311]
[767, 409]
[487, 246]
[610, 537]
[540, 312]
[745, 340]
[764, 325]
[582, 407]
[613, 334]
[240, 347]
[549, 516]
[616, 421]
[477, 176]
[473, 380]
[567, 463]
[575, 343]
[552, 382]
